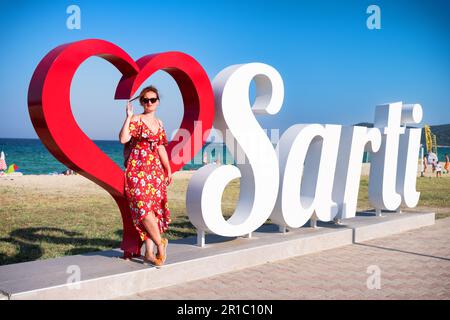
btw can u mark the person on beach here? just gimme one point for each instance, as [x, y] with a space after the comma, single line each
[447, 163]
[438, 169]
[425, 161]
[147, 174]
[68, 172]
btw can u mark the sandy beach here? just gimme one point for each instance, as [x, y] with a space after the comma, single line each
[74, 183]
[79, 184]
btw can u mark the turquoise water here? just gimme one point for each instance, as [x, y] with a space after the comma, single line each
[31, 156]
[442, 150]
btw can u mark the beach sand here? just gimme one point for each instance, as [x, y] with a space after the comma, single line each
[79, 184]
[365, 171]
[73, 183]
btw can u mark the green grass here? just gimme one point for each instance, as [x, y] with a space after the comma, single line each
[434, 196]
[36, 224]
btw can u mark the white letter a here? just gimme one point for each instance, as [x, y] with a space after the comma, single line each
[374, 20]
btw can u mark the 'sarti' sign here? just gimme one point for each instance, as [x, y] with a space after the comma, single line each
[314, 171]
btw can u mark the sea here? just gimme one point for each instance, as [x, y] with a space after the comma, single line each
[32, 157]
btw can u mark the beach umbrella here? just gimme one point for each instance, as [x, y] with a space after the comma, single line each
[12, 168]
[2, 161]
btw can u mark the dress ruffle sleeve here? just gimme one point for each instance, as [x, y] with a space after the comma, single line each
[162, 139]
[134, 129]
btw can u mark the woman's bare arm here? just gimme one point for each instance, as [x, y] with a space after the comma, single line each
[165, 162]
[124, 135]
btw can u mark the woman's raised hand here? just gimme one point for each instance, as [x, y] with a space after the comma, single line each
[129, 109]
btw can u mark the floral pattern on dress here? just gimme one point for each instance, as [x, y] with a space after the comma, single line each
[145, 188]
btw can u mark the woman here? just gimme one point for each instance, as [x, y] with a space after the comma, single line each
[147, 174]
[438, 169]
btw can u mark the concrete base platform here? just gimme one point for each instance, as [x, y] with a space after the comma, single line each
[103, 275]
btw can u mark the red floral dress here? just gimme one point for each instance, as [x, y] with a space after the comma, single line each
[144, 177]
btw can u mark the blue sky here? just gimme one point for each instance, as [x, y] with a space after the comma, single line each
[335, 69]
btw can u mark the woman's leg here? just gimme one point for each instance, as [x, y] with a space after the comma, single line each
[151, 226]
[149, 249]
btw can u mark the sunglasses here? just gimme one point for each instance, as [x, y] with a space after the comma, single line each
[152, 100]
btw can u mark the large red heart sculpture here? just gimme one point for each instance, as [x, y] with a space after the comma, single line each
[52, 118]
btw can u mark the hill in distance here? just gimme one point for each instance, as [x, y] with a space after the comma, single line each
[442, 133]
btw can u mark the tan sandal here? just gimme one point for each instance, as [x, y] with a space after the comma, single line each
[162, 256]
[147, 262]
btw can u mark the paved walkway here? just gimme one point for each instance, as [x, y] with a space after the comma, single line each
[410, 265]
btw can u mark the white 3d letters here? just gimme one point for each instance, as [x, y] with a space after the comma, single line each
[383, 164]
[407, 160]
[307, 155]
[354, 141]
[394, 167]
[259, 173]
[313, 171]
